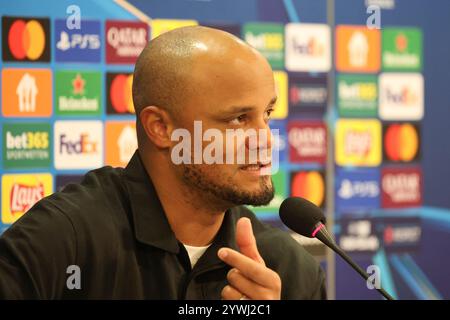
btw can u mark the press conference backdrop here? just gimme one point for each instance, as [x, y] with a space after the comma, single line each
[363, 116]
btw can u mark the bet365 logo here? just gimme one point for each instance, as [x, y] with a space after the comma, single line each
[26, 145]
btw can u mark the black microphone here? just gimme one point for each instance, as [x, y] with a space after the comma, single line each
[305, 218]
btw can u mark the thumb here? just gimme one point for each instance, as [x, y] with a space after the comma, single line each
[246, 240]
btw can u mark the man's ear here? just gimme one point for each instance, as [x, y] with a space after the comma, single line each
[157, 125]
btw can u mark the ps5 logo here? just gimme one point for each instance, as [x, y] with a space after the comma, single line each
[81, 41]
[363, 189]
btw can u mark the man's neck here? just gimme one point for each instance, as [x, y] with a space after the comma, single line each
[193, 222]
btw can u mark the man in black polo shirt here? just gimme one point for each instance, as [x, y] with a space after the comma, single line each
[164, 227]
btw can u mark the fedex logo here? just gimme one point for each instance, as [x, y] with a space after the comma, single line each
[82, 145]
[78, 144]
[401, 96]
[311, 47]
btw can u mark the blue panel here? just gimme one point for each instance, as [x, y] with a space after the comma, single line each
[231, 11]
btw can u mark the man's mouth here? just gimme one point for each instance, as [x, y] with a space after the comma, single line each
[256, 168]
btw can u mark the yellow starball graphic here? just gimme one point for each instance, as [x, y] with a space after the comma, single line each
[159, 26]
[281, 86]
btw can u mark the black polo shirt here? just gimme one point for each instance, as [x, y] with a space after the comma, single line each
[113, 228]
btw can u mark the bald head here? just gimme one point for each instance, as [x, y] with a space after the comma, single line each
[164, 74]
[182, 66]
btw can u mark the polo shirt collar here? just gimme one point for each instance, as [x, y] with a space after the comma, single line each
[151, 226]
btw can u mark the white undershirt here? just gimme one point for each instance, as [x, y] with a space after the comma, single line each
[195, 253]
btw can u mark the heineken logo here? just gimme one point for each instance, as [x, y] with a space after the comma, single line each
[78, 93]
[78, 84]
[402, 49]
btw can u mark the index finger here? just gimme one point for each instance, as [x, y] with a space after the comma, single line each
[249, 268]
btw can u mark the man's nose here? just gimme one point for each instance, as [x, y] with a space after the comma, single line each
[259, 138]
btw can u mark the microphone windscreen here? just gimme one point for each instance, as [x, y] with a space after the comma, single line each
[301, 215]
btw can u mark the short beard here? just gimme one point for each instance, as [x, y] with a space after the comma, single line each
[223, 188]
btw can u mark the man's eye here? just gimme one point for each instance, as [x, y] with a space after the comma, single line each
[239, 119]
[269, 113]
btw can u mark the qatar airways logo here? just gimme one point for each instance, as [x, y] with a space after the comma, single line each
[307, 141]
[125, 40]
[402, 187]
[250, 147]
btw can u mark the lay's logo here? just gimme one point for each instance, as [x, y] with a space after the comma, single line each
[21, 191]
[24, 196]
[26, 39]
[401, 96]
[358, 143]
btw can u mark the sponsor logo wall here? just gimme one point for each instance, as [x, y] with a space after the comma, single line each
[380, 104]
[66, 104]
[60, 120]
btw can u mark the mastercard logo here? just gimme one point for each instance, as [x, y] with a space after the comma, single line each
[309, 185]
[120, 99]
[26, 39]
[401, 142]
